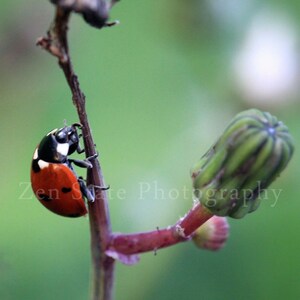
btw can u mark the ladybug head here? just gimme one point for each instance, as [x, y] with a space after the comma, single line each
[69, 137]
[59, 143]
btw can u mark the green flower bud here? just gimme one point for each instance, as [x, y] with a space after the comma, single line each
[253, 150]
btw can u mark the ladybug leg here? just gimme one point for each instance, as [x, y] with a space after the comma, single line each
[93, 156]
[81, 163]
[85, 163]
[91, 190]
[88, 193]
[79, 149]
[102, 188]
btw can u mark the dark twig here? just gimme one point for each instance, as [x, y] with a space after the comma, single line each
[56, 43]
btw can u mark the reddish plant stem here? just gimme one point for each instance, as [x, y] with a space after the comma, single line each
[129, 244]
[56, 43]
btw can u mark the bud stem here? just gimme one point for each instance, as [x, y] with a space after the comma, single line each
[129, 244]
[197, 216]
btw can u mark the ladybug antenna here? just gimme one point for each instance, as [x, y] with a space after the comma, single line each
[65, 122]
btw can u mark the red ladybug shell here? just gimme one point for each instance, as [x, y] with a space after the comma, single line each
[57, 188]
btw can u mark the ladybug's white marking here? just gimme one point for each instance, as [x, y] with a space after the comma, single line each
[52, 131]
[42, 164]
[35, 154]
[63, 149]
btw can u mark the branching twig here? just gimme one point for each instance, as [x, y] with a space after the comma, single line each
[269, 148]
[56, 43]
[106, 247]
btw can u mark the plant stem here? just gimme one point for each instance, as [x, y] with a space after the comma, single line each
[106, 246]
[135, 243]
[56, 43]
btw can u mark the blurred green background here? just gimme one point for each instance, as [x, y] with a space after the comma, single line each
[160, 88]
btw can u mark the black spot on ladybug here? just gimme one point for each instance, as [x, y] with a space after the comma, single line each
[73, 215]
[44, 197]
[35, 166]
[66, 190]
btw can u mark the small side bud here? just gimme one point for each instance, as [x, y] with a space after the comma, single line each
[213, 234]
[251, 153]
[94, 12]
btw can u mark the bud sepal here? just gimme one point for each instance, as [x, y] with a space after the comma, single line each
[212, 235]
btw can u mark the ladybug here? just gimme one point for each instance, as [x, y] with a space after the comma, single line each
[53, 179]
